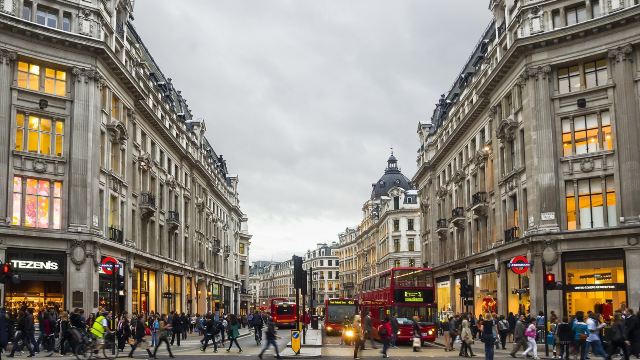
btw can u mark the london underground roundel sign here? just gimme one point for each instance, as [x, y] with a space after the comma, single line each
[519, 265]
[108, 264]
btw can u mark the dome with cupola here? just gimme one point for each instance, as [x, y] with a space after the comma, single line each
[392, 177]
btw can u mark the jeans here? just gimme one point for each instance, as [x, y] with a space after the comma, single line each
[531, 346]
[208, 337]
[488, 350]
[564, 351]
[385, 346]
[269, 343]
[25, 340]
[581, 348]
[176, 335]
[154, 338]
[394, 338]
[596, 348]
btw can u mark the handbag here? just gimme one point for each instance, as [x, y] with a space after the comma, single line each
[417, 342]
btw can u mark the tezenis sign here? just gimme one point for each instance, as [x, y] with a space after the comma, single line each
[37, 265]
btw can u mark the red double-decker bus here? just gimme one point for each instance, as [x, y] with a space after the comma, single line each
[403, 292]
[336, 311]
[283, 312]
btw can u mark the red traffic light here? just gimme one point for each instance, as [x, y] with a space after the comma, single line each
[550, 278]
[6, 269]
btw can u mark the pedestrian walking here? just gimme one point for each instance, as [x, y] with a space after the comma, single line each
[503, 331]
[164, 331]
[580, 335]
[138, 334]
[4, 330]
[176, 328]
[564, 337]
[65, 336]
[520, 341]
[530, 334]
[453, 332]
[416, 332]
[394, 330]
[210, 332]
[632, 332]
[358, 335]
[368, 331]
[593, 340]
[467, 339]
[22, 335]
[271, 339]
[445, 332]
[234, 332]
[384, 331]
[488, 335]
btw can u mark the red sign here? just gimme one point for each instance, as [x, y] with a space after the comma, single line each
[519, 265]
[108, 264]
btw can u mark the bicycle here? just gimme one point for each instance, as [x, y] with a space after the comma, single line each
[90, 346]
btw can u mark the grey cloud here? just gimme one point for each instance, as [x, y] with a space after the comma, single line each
[305, 97]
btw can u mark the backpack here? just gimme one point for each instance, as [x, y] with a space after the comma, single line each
[382, 331]
[503, 325]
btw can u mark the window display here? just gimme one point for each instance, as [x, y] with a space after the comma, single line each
[518, 296]
[486, 291]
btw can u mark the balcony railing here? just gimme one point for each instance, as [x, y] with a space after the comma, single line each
[441, 224]
[478, 198]
[511, 234]
[173, 219]
[457, 212]
[147, 204]
[502, 28]
[116, 235]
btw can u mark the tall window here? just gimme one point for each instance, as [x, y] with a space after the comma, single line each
[28, 76]
[115, 113]
[37, 203]
[39, 135]
[396, 225]
[410, 224]
[396, 245]
[582, 76]
[55, 81]
[411, 245]
[47, 17]
[66, 22]
[26, 10]
[594, 205]
[576, 14]
[587, 134]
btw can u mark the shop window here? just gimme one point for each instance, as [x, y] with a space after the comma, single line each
[485, 293]
[518, 295]
[586, 134]
[37, 203]
[594, 206]
[597, 285]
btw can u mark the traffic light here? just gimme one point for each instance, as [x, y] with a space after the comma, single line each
[466, 290]
[8, 276]
[299, 278]
[550, 281]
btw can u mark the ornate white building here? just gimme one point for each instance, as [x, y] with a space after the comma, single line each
[324, 264]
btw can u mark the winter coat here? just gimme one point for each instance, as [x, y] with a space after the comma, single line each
[632, 325]
[518, 332]
[4, 329]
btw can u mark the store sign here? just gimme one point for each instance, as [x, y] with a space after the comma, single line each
[108, 264]
[167, 295]
[29, 264]
[595, 287]
[341, 302]
[519, 265]
[414, 296]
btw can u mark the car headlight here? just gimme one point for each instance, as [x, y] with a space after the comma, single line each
[398, 332]
[329, 328]
[430, 331]
[349, 333]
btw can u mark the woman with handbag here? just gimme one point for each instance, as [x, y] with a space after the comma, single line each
[234, 332]
[139, 333]
[417, 338]
[530, 334]
[466, 336]
[488, 335]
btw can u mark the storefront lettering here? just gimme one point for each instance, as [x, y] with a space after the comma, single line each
[40, 265]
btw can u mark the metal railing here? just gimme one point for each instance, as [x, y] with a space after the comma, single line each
[116, 235]
[173, 216]
[148, 199]
[478, 198]
[457, 212]
[512, 234]
[441, 223]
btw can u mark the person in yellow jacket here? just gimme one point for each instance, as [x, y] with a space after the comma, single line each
[100, 326]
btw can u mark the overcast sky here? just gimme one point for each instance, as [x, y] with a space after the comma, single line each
[304, 98]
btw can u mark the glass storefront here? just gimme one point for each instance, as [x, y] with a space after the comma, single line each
[595, 281]
[458, 300]
[111, 278]
[486, 291]
[171, 293]
[518, 295]
[42, 282]
[443, 293]
[189, 292]
[143, 291]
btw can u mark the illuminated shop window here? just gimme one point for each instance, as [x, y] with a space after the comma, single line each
[37, 203]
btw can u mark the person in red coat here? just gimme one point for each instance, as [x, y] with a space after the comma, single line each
[384, 330]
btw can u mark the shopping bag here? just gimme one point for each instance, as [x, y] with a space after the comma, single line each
[417, 342]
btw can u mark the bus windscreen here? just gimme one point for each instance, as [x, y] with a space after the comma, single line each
[337, 313]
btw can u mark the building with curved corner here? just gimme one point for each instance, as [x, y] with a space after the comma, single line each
[531, 158]
[389, 233]
[111, 196]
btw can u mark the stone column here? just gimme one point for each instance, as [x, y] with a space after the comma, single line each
[502, 289]
[7, 59]
[626, 132]
[452, 294]
[543, 167]
[81, 189]
[632, 260]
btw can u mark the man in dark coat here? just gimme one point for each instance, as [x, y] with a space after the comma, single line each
[4, 329]
[632, 332]
[520, 341]
[176, 328]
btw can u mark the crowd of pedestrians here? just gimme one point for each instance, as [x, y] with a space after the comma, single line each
[578, 335]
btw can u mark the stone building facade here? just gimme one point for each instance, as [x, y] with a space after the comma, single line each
[388, 235]
[346, 251]
[324, 264]
[532, 157]
[110, 194]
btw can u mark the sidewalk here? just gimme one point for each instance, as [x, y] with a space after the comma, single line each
[478, 348]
